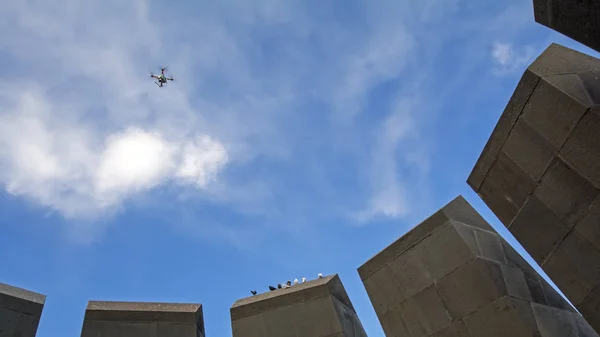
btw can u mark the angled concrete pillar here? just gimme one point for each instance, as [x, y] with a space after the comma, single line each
[318, 308]
[454, 276]
[577, 19]
[142, 319]
[20, 311]
[540, 172]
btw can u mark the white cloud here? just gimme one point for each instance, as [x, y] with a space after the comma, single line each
[507, 58]
[62, 167]
[111, 134]
[201, 161]
[502, 53]
[399, 163]
[83, 129]
[381, 57]
[133, 160]
[389, 194]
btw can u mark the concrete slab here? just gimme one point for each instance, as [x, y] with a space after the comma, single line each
[20, 311]
[579, 20]
[506, 316]
[555, 107]
[455, 211]
[425, 313]
[535, 218]
[590, 306]
[581, 149]
[540, 170]
[461, 280]
[555, 60]
[566, 193]
[317, 308]
[144, 319]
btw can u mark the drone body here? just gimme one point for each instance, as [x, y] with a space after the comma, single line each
[161, 79]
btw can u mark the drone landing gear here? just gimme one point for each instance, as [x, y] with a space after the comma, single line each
[159, 85]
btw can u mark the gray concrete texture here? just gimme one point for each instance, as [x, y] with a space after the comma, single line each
[142, 319]
[540, 172]
[317, 308]
[577, 19]
[454, 276]
[20, 311]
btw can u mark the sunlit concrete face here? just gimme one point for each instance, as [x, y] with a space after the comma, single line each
[540, 172]
[577, 19]
[318, 308]
[20, 311]
[454, 276]
[142, 319]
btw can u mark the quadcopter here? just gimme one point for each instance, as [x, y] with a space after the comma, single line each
[161, 79]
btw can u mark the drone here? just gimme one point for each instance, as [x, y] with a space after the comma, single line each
[161, 79]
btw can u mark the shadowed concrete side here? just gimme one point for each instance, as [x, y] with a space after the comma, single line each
[20, 311]
[576, 19]
[317, 308]
[143, 319]
[454, 276]
[540, 172]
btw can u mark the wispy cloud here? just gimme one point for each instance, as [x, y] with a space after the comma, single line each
[267, 95]
[80, 172]
[393, 157]
[80, 131]
[382, 56]
[508, 58]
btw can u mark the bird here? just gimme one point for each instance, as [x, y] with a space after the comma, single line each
[320, 275]
[272, 288]
[304, 280]
[253, 292]
[295, 281]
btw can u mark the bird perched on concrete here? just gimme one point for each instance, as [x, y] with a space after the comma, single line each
[320, 275]
[295, 281]
[272, 288]
[304, 280]
[253, 292]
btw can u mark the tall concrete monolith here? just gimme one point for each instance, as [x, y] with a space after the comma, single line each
[317, 308]
[454, 276]
[20, 311]
[540, 172]
[142, 319]
[577, 19]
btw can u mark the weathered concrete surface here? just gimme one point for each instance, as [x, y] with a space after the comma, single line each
[577, 19]
[454, 276]
[142, 319]
[540, 172]
[318, 308]
[20, 311]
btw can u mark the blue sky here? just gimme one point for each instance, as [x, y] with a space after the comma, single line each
[299, 137]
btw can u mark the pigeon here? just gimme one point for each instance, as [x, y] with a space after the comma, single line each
[304, 280]
[279, 286]
[253, 292]
[272, 288]
[295, 281]
[320, 275]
